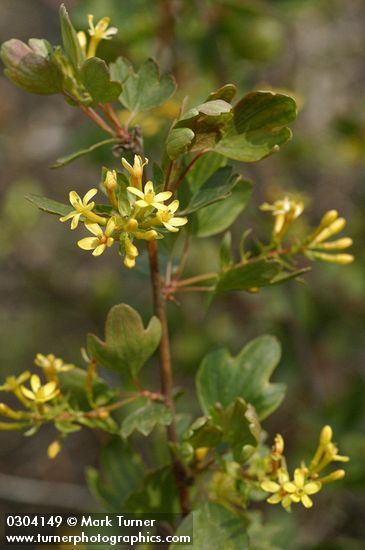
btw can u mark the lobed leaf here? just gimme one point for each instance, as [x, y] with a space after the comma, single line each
[146, 418]
[96, 78]
[127, 344]
[222, 378]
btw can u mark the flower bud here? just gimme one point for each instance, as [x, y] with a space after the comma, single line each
[150, 235]
[201, 453]
[53, 449]
[335, 227]
[131, 225]
[110, 181]
[328, 218]
[326, 435]
[340, 259]
[340, 244]
[334, 476]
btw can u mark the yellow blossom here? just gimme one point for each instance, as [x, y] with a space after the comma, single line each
[285, 211]
[340, 259]
[277, 488]
[149, 198]
[167, 218]
[52, 365]
[82, 208]
[38, 393]
[326, 452]
[102, 239]
[98, 32]
[300, 488]
[12, 383]
[135, 171]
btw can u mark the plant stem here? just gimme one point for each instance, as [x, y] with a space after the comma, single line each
[187, 169]
[166, 374]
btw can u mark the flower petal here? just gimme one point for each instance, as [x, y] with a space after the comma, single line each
[135, 191]
[312, 487]
[89, 195]
[179, 221]
[174, 206]
[270, 486]
[74, 198]
[75, 221]
[170, 227]
[148, 188]
[164, 196]
[99, 249]
[110, 226]
[290, 487]
[299, 477]
[306, 501]
[274, 499]
[95, 229]
[27, 393]
[159, 206]
[35, 382]
[89, 243]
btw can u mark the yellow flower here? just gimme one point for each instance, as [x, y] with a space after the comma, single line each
[101, 31]
[12, 383]
[330, 225]
[149, 198]
[82, 208]
[277, 488]
[300, 489]
[38, 393]
[102, 239]
[81, 37]
[166, 217]
[135, 171]
[52, 365]
[285, 211]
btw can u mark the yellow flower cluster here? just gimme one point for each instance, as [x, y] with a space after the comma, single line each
[100, 31]
[306, 480]
[146, 212]
[319, 245]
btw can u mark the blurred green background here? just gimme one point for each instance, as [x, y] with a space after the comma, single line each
[53, 294]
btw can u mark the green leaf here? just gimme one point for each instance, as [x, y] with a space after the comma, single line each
[218, 217]
[69, 38]
[73, 156]
[216, 188]
[49, 205]
[30, 67]
[199, 128]
[127, 344]
[204, 168]
[204, 433]
[240, 427]
[144, 419]
[121, 474]
[95, 76]
[248, 275]
[258, 127]
[143, 90]
[158, 494]
[215, 528]
[236, 425]
[179, 141]
[226, 92]
[222, 378]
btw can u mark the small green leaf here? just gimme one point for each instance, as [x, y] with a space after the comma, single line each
[73, 156]
[216, 188]
[258, 127]
[49, 205]
[127, 344]
[248, 275]
[204, 433]
[143, 90]
[69, 37]
[240, 427]
[145, 418]
[215, 528]
[95, 76]
[222, 378]
[215, 218]
[30, 67]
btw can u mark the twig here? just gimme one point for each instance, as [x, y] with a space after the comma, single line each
[186, 171]
[93, 115]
